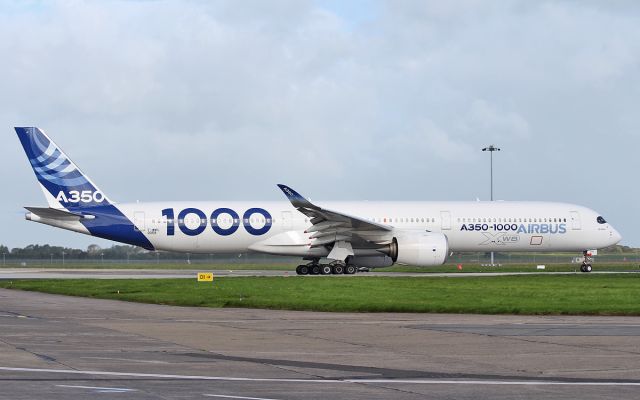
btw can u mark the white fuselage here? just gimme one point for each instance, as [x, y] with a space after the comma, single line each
[469, 226]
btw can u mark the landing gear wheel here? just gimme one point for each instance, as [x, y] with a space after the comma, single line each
[586, 261]
[338, 269]
[325, 269]
[350, 269]
[302, 270]
[314, 270]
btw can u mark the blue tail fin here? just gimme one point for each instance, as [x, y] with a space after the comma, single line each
[63, 184]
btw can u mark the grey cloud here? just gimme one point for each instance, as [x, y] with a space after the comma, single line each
[221, 100]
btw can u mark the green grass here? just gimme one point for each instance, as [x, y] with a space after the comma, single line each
[526, 267]
[537, 294]
[450, 268]
[159, 266]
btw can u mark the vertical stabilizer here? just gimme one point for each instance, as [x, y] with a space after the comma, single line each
[62, 182]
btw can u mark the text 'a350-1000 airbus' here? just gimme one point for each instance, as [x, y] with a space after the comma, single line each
[346, 234]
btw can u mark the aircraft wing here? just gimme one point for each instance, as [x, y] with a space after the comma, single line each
[336, 228]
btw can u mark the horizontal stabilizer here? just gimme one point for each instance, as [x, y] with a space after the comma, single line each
[54, 213]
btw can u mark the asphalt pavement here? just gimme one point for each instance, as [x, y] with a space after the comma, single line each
[59, 347]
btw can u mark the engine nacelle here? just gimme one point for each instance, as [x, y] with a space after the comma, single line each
[380, 261]
[424, 249]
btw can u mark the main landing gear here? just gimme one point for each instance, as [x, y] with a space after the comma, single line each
[587, 260]
[334, 268]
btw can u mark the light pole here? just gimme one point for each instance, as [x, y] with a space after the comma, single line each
[4, 260]
[101, 258]
[491, 149]
[63, 258]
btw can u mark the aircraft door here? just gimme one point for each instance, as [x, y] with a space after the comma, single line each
[139, 221]
[286, 220]
[575, 220]
[445, 216]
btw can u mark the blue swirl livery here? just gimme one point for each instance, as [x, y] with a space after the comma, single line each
[67, 189]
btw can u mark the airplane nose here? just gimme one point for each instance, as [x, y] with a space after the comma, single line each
[615, 236]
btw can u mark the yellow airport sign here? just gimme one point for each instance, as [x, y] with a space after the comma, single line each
[205, 276]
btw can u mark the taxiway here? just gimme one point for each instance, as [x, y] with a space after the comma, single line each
[59, 347]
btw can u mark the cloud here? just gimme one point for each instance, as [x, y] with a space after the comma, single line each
[213, 100]
[486, 120]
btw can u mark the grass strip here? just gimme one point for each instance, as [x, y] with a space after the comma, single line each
[447, 268]
[567, 294]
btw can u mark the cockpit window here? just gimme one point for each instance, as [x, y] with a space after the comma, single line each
[601, 220]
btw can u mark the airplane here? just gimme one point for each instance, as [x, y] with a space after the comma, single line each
[348, 235]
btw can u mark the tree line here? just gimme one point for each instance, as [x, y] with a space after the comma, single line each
[125, 252]
[94, 252]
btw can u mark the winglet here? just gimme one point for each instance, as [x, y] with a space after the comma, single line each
[296, 198]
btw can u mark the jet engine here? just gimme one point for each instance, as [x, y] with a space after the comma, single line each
[423, 249]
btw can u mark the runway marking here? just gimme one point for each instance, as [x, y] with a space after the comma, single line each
[491, 382]
[127, 359]
[236, 397]
[99, 389]
[416, 381]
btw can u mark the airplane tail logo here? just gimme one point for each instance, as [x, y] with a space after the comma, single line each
[63, 184]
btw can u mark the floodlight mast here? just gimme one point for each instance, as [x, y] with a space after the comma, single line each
[491, 149]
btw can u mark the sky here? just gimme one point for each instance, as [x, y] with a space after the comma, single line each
[360, 100]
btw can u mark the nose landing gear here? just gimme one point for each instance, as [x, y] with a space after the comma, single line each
[587, 260]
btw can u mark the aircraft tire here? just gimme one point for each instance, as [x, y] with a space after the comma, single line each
[350, 269]
[325, 269]
[587, 268]
[338, 269]
[302, 270]
[314, 270]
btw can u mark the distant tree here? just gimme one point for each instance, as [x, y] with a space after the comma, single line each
[617, 248]
[93, 249]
